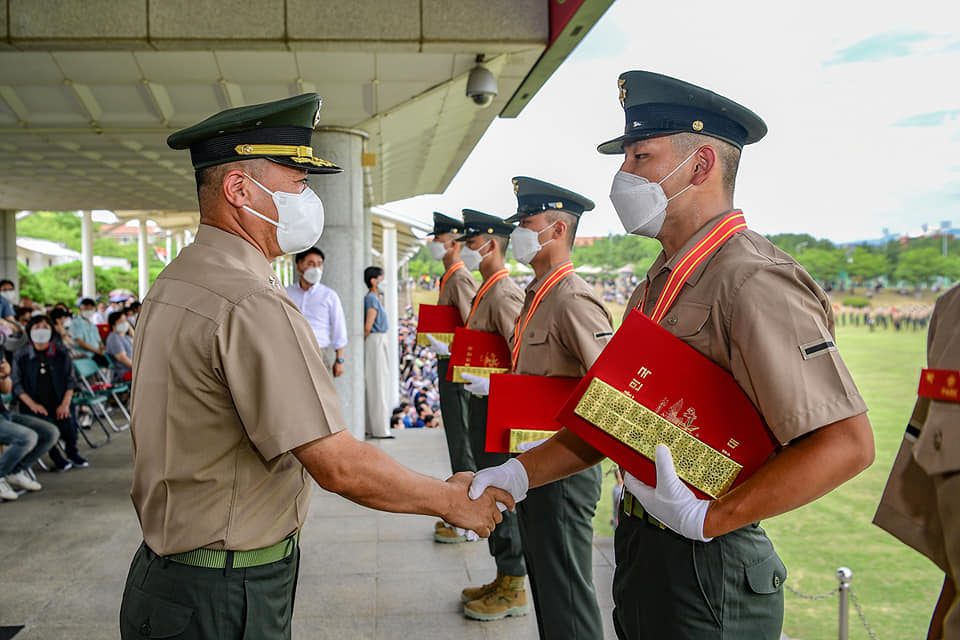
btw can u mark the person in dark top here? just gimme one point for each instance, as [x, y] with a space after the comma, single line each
[43, 381]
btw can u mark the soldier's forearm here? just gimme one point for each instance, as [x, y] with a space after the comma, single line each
[562, 455]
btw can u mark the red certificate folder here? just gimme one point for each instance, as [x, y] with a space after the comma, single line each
[439, 319]
[650, 387]
[478, 353]
[523, 409]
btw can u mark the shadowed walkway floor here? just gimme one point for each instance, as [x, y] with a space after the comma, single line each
[64, 553]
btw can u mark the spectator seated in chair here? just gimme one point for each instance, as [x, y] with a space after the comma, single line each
[44, 383]
[26, 440]
[119, 347]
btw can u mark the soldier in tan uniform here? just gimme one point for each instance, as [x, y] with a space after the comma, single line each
[562, 328]
[494, 310]
[921, 502]
[691, 568]
[234, 412]
[457, 288]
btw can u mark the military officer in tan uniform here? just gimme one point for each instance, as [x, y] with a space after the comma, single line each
[457, 288]
[689, 568]
[494, 309]
[921, 502]
[234, 412]
[562, 328]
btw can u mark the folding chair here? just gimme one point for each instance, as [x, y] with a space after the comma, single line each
[113, 389]
[96, 402]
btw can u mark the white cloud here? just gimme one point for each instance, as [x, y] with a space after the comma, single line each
[834, 163]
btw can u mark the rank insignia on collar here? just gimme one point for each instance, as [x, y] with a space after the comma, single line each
[621, 83]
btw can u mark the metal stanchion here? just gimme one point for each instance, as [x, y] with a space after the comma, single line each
[844, 575]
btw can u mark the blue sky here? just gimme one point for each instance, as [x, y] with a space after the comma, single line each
[862, 101]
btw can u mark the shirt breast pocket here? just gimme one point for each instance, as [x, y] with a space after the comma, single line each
[686, 319]
[535, 348]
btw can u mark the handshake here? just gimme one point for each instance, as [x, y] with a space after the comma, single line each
[487, 494]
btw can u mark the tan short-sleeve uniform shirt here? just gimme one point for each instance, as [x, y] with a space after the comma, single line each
[758, 314]
[567, 331]
[227, 379]
[498, 308]
[921, 502]
[458, 291]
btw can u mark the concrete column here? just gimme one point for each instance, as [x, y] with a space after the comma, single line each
[143, 260]
[179, 242]
[8, 246]
[169, 246]
[88, 279]
[390, 306]
[346, 256]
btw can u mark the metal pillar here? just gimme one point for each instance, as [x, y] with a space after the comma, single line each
[179, 242]
[88, 278]
[169, 246]
[346, 256]
[143, 260]
[844, 575]
[390, 292]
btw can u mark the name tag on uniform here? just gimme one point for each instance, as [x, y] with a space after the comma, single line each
[940, 384]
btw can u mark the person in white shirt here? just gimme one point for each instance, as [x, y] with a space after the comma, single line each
[321, 307]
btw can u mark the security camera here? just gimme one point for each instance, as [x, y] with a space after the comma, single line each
[481, 86]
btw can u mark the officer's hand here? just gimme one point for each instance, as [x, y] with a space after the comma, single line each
[510, 476]
[671, 502]
[480, 514]
[439, 348]
[476, 385]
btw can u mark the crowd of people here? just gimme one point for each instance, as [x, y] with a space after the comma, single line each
[38, 346]
[912, 318]
[420, 398]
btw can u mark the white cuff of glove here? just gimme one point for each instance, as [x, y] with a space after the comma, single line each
[671, 502]
[477, 385]
[470, 534]
[533, 444]
[439, 348]
[511, 476]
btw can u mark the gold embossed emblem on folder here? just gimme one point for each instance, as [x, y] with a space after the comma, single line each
[641, 429]
[424, 341]
[519, 436]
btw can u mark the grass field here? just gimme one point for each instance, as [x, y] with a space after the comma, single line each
[896, 586]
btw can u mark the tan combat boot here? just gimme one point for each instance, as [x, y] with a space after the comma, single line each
[476, 593]
[509, 598]
[443, 532]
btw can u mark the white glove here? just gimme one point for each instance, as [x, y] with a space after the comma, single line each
[470, 534]
[510, 476]
[672, 502]
[533, 444]
[477, 386]
[439, 348]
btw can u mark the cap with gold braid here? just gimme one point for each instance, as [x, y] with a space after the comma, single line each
[477, 223]
[279, 131]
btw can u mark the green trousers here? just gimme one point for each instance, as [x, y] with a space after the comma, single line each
[668, 586]
[556, 526]
[164, 599]
[504, 542]
[453, 408]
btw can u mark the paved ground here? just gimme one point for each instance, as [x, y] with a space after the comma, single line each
[64, 553]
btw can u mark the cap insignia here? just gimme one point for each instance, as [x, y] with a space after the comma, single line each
[316, 116]
[489, 230]
[516, 187]
[621, 83]
[697, 125]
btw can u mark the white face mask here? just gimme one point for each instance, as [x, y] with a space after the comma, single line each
[122, 327]
[437, 250]
[526, 243]
[641, 204]
[11, 296]
[300, 216]
[313, 275]
[66, 324]
[472, 257]
[87, 314]
[40, 336]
